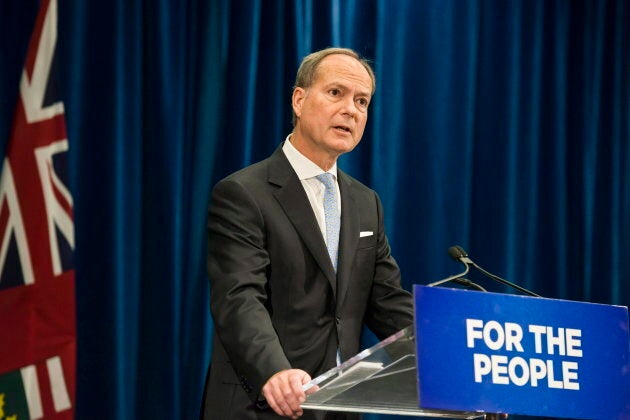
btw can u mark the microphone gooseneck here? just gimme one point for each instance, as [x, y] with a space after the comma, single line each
[459, 254]
[454, 277]
[470, 284]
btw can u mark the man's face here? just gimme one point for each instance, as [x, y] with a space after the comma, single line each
[333, 111]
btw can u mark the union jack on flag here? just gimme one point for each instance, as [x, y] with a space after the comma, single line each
[37, 304]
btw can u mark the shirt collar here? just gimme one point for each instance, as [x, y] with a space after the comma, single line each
[303, 166]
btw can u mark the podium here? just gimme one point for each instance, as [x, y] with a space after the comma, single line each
[472, 355]
[381, 379]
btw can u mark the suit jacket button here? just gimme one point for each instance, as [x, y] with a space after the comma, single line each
[337, 320]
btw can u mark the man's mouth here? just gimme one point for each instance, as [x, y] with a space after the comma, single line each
[343, 128]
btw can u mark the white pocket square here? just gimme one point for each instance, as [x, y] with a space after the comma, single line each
[366, 233]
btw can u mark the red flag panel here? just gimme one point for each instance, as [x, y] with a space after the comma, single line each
[37, 300]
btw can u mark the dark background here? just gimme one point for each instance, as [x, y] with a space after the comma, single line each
[501, 126]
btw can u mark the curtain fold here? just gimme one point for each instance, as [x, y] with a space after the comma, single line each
[499, 126]
[144, 83]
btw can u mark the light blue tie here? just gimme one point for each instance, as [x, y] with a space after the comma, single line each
[332, 216]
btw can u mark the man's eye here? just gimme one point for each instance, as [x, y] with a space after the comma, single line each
[334, 92]
[363, 102]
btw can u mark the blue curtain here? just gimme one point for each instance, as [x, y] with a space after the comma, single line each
[502, 126]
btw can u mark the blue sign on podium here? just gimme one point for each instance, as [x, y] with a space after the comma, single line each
[521, 355]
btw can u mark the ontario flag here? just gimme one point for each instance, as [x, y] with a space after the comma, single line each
[37, 302]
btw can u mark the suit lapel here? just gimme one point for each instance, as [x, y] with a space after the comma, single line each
[293, 199]
[349, 236]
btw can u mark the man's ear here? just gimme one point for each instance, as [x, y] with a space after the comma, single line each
[297, 100]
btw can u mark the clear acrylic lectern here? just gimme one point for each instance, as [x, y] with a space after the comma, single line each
[381, 379]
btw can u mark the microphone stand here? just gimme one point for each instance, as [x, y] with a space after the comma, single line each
[451, 278]
[459, 254]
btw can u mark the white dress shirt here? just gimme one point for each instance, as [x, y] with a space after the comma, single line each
[306, 171]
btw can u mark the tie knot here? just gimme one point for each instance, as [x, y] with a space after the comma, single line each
[326, 179]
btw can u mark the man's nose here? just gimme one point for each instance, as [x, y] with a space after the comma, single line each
[349, 106]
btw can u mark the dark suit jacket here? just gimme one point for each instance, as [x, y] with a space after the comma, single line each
[276, 300]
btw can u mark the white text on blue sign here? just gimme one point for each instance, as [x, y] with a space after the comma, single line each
[524, 371]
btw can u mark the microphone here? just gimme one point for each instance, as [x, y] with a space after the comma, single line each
[455, 277]
[458, 254]
[459, 278]
[468, 283]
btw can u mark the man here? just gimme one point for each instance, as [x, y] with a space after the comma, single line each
[290, 290]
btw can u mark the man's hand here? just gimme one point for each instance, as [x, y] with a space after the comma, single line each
[283, 392]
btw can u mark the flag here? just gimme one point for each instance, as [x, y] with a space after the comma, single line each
[37, 303]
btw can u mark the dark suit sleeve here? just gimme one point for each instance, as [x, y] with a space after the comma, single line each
[390, 307]
[237, 264]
